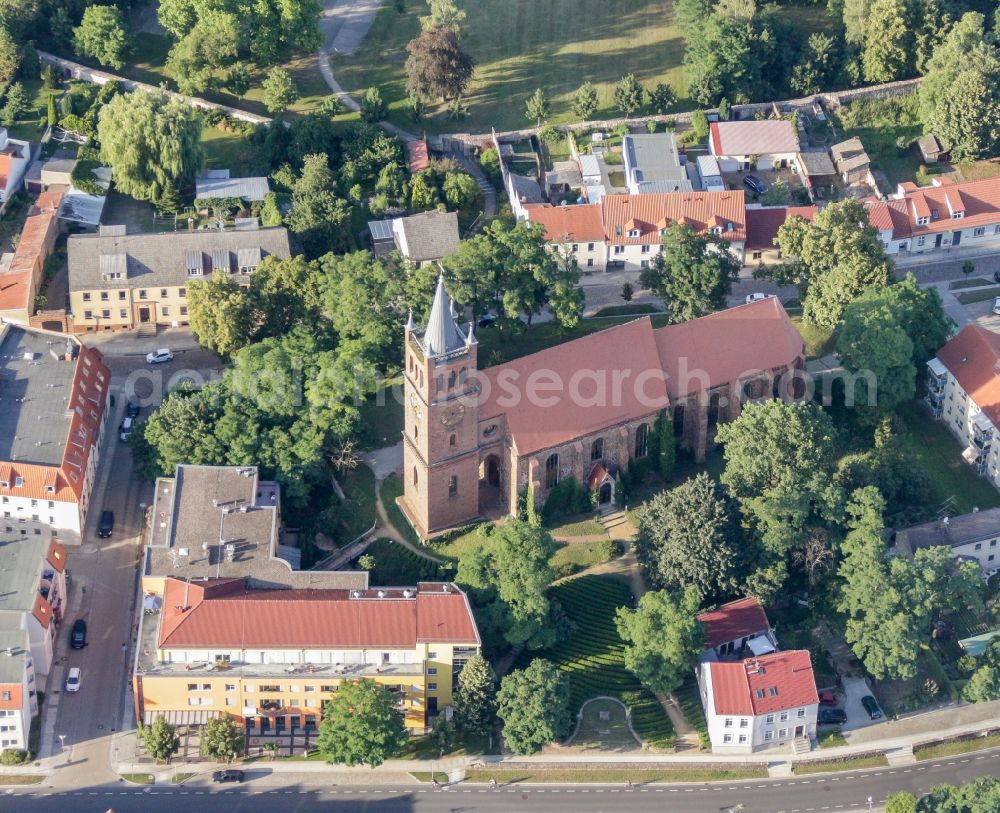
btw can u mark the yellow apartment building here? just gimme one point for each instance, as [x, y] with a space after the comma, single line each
[121, 281]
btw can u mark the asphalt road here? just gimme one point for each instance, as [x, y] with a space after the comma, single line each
[845, 791]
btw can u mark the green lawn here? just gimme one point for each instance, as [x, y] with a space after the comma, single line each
[27, 128]
[392, 487]
[835, 765]
[969, 297]
[357, 513]
[937, 451]
[592, 656]
[232, 151]
[690, 704]
[819, 341]
[603, 727]
[626, 310]
[21, 779]
[637, 776]
[959, 746]
[971, 282]
[584, 525]
[395, 566]
[382, 422]
[879, 123]
[573, 557]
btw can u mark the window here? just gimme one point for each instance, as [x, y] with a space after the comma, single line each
[88, 314]
[163, 292]
[18, 482]
[979, 546]
[743, 738]
[552, 470]
[328, 688]
[782, 733]
[6, 695]
[574, 248]
[769, 720]
[104, 296]
[432, 687]
[230, 687]
[619, 249]
[432, 670]
[597, 449]
[773, 691]
[86, 296]
[729, 722]
[800, 713]
[979, 232]
[783, 716]
[414, 475]
[453, 486]
[451, 440]
[590, 246]
[727, 738]
[432, 656]
[230, 701]
[142, 293]
[590, 263]
[757, 255]
[182, 292]
[184, 310]
[760, 694]
[768, 736]
[105, 314]
[34, 503]
[633, 232]
[744, 722]
[121, 295]
[644, 263]
[166, 311]
[122, 313]
[642, 440]
[645, 249]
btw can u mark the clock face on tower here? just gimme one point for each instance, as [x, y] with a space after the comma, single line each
[452, 416]
[415, 407]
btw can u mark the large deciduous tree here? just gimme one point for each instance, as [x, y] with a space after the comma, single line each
[663, 637]
[159, 739]
[361, 725]
[221, 739]
[444, 13]
[207, 47]
[688, 536]
[834, 259]
[101, 35]
[279, 90]
[318, 217]
[693, 274]
[888, 42]
[150, 143]
[533, 704]
[437, 67]
[220, 313]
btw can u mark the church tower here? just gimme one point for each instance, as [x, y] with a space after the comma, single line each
[440, 421]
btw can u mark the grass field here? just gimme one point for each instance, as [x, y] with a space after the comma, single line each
[972, 282]
[576, 556]
[358, 513]
[392, 487]
[603, 726]
[879, 123]
[592, 657]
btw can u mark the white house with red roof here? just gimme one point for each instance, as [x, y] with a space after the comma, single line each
[743, 145]
[946, 214]
[754, 696]
[55, 395]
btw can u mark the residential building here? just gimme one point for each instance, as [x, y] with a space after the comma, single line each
[271, 658]
[475, 440]
[120, 281]
[654, 164]
[19, 283]
[745, 145]
[55, 393]
[32, 598]
[919, 219]
[634, 225]
[573, 230]
[972, 537]
[852, 162]
[739, 628]
[765, 701]
[426, 237]
[15, 156]
[963, 391]
[216, 184]
[763, 223]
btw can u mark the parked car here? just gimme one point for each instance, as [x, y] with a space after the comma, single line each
[755, 297]
[996, 276]
[106, 524]
[133, 410]
[487, 320]
[159, 356]
[871, 706]
[827, 699]
[230, 775]
[78, 635]
[73, 680]
[832, 716]
[996, 305]
[754, 184]
[125, 430]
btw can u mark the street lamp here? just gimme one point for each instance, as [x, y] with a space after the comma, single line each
[869, 802]
[62, 743]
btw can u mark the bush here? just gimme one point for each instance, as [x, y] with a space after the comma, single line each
[550, 134]
[566, 497]
[13, 756]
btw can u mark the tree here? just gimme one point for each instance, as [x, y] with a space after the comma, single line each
[662, 97]
[361, 725]
[818, 67]
[52, 119]
[101, 35]
[968, 114]
[699, 123]
[874, 345]
[855, 13]
[444, 735]
[888, 42]
[221, 739]
[270, 212]
[285, 294]
[207, 47]
[279, 90]
[663, 637]
[537, 107]
[10, 56]
[444, 14]
[437, 67]
[948, 59]
[149, 141]
[533, 704]
[460, 190]
[692, 275]
[628, 292]
[835, 258]
[585, 102]
[688, 536]
[220, 314]
[159, 739]
[317, 216]
[901, 802]
[15, 103]
[238, 80]
[475, 697]
[372, 107]
[629, 95]
[508, 581]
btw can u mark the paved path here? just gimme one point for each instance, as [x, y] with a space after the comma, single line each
[345, 23]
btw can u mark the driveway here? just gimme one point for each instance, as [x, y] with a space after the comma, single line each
[854, 689]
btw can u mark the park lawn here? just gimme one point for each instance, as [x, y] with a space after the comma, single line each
[395, 566]
[935, 449]
[26, 127]
[521, 45]
[819, 341]
[879, 123]
[592, 657]
[232, 151]
[572, 557]
[583, 525]
[836, 765]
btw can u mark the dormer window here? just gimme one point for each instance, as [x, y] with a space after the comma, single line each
[633, 232]
[50, 489]
[5, 484]
[618, 231]
[935, 214]
[957, 215]
[923, 221]
[195, 265]
[18, 482]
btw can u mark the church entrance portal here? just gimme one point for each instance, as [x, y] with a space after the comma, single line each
[606, 494]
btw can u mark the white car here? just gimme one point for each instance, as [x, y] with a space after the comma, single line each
[126, 428]
[757, 297]
[73, 680]
[160, 356]
[996, 305]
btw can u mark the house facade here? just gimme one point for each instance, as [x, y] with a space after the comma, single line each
[576, 231]
[747, 145]
[963, 392]
[57, 396]
[20, 282]
[121, 281]
[944, 215]
[971, 537]
[475, 440]
[272, 657]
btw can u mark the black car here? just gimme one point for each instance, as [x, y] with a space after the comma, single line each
[78, 635]
[227, 776]
[832, 716]
[132, 410]
[487, 320]
[871, 706]
[754, 184]
[106, 525]
[996, 276]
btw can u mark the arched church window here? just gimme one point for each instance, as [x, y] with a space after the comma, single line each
[642, 440]
[552, 470]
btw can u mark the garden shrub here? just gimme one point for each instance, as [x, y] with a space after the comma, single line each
[566, 497]
[13, 756]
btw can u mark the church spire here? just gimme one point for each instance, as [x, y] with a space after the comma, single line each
[442, 334]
